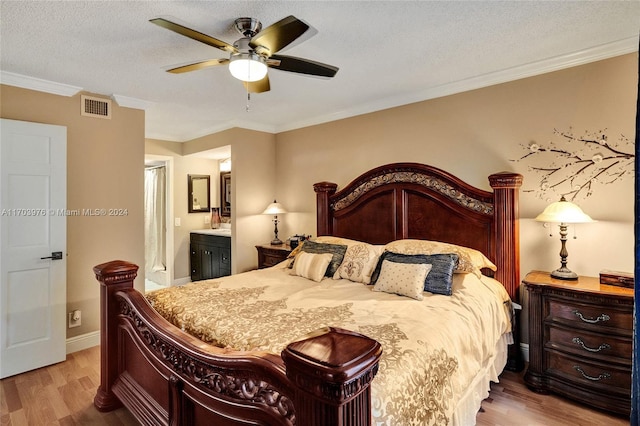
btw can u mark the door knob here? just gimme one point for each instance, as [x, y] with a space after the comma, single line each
[56, 255]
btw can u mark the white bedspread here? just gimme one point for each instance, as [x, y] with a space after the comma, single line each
[432, 349]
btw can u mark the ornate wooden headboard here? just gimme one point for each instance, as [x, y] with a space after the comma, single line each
[410, 200]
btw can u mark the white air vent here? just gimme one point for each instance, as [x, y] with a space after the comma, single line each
[96, 107]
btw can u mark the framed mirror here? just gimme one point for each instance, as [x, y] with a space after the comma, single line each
[199, 190]
[225, 194]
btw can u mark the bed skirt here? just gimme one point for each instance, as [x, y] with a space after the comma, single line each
[478, 391]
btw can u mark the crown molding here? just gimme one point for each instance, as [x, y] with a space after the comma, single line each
[186, 137]
[127, 102]
[38, 84]
[597, 53]
[594, 54]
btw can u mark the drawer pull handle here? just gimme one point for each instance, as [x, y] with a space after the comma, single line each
[602, 317]
[602, 376]
[578, 341]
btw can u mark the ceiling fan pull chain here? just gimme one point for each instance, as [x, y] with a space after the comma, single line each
[248, 100]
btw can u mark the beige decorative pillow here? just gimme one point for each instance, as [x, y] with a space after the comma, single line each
[330, 239]
[359, 261]
[470, 260]
[405, 279]
[311, 265]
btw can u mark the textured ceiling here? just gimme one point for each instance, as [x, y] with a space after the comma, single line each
[389, 53]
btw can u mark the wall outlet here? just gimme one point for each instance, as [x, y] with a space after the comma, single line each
[75, 318]
[207, 220]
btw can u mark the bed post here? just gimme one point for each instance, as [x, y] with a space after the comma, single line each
[332, 370]
[113, 276]
[324, 190]
[507, 228]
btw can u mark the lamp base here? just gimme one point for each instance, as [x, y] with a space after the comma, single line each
[564, 274]
[276, 242]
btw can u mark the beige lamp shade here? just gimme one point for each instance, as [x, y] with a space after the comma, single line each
[274, 208]
[563, 211]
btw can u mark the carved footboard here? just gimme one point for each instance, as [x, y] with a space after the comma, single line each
[166, 377]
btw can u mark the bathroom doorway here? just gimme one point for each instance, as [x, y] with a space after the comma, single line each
[157, 218]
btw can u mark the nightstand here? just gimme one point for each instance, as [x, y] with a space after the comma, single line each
[269, 255]
[580, 337]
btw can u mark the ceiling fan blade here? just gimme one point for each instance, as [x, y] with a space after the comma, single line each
[198, 65]
[301, 66]
[258, 86]
[195, 35]
[278, 35]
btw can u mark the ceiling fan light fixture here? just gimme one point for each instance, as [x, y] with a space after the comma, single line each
[257, 49]
[248, 66]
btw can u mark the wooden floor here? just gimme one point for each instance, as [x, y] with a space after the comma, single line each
[62, 394]
[512, 403]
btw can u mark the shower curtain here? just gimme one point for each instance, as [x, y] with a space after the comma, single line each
[154, 219]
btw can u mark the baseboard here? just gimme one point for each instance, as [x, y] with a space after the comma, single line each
[182, 281]
[84, 341]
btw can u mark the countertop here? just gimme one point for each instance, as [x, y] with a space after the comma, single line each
[222, 232]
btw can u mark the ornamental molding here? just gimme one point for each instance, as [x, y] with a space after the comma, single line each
[332, 392]
[117, 277]
[413, 177]
[238, 384]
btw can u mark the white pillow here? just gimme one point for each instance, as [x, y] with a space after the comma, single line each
[405, 279]
[359, 262]
[311, 265]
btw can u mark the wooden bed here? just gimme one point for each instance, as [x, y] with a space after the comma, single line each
[167, 377]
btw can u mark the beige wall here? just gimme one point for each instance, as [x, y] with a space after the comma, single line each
[253, 173]
[474, 134]
[253, 188]
[471, 135]
[104, 170]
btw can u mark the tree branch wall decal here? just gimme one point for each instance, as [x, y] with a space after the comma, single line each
[570, 165]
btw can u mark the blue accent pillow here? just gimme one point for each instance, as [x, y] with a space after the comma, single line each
[337, 250]
[439, 280]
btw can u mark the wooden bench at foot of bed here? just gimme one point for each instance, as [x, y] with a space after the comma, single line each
[166, 377]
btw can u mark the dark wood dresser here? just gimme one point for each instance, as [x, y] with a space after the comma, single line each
[269, 255]
[580, 337]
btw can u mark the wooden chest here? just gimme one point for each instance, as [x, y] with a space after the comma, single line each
[269, 255]
[580, 337]
[622, 279]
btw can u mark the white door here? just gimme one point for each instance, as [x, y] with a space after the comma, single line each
[33, 197]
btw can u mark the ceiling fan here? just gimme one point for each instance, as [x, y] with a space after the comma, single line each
[256, 50]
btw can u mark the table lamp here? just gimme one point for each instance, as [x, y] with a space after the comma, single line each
[275, 209]
[563, 212]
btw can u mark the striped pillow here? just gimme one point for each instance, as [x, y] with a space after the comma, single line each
[311, 266]
[336, 250]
